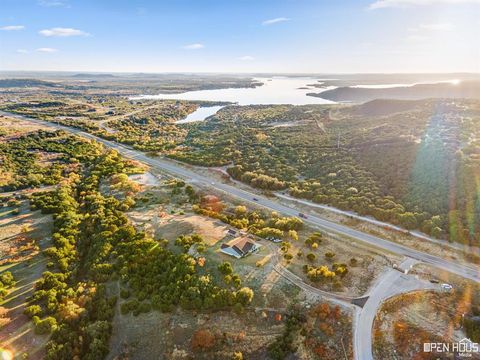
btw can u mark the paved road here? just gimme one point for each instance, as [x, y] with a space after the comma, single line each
[391, 283]
[417, 234]
[179, 170]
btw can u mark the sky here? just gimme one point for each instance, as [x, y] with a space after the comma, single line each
[290, 36]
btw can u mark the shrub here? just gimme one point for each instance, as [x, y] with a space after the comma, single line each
[33, 310]
[202, 340]
[225, 268]
[329, 255]
[44, 326]
[244, 296]
[124, 293]
[311, 257]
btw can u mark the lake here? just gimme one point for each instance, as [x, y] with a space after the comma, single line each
[275, 90]
[200, 114]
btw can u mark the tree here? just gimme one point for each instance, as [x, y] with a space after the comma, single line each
[44, 326]
[244, 296]
[270, 232]
[225, 268]
[33, 310]
[408, 220]
[292, 234]
[329, 255]
[202, 340]
[240, 211]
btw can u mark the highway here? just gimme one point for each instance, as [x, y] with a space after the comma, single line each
[179, 170]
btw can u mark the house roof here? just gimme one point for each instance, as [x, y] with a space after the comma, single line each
[244, 245]
[240, 246]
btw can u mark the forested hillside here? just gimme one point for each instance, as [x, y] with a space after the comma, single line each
[416, 166]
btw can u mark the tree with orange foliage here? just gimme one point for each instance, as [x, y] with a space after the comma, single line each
[203, 339]
[322, 311]
[336, 313]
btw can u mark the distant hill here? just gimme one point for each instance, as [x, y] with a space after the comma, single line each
[9, 83]
[466, 90]
[382, 107]
[89, 76]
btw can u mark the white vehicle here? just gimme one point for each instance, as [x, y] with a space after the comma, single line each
[447, 287]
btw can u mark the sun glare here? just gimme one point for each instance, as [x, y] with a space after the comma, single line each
[6, 354]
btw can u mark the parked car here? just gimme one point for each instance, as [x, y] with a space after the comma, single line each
[447, 287]
[434, 281]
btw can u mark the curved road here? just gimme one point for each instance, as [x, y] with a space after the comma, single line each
[391, 283]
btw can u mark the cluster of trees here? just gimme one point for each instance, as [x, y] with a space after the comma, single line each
[164, 279]
[314, 240]
[92, 241]
[328, 326]
[230, 277]
[323, 274]
[471, 321]
[319, 331]
[287, 344]
[20, 158]
[254, 179]
[259, 223]
[152, 129]
[71, 300]
[186, 241]
[320, 273]
[6, 282]
[361, 162]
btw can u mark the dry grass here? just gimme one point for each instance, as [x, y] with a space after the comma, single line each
[21, 238]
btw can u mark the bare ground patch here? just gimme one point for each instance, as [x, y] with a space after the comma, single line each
[404, 323]
[161, 224]
[21, 238]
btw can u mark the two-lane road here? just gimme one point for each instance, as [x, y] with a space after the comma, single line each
[391, 283]
[469, 272]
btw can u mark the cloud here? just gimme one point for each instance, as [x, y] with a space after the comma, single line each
[46, 50]
[53, 3]
[275, 21]
[437, 27]
[12, 28]
[22, 51]
[246, 58]
[196, 46]
[62, 32]
[381, 4]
